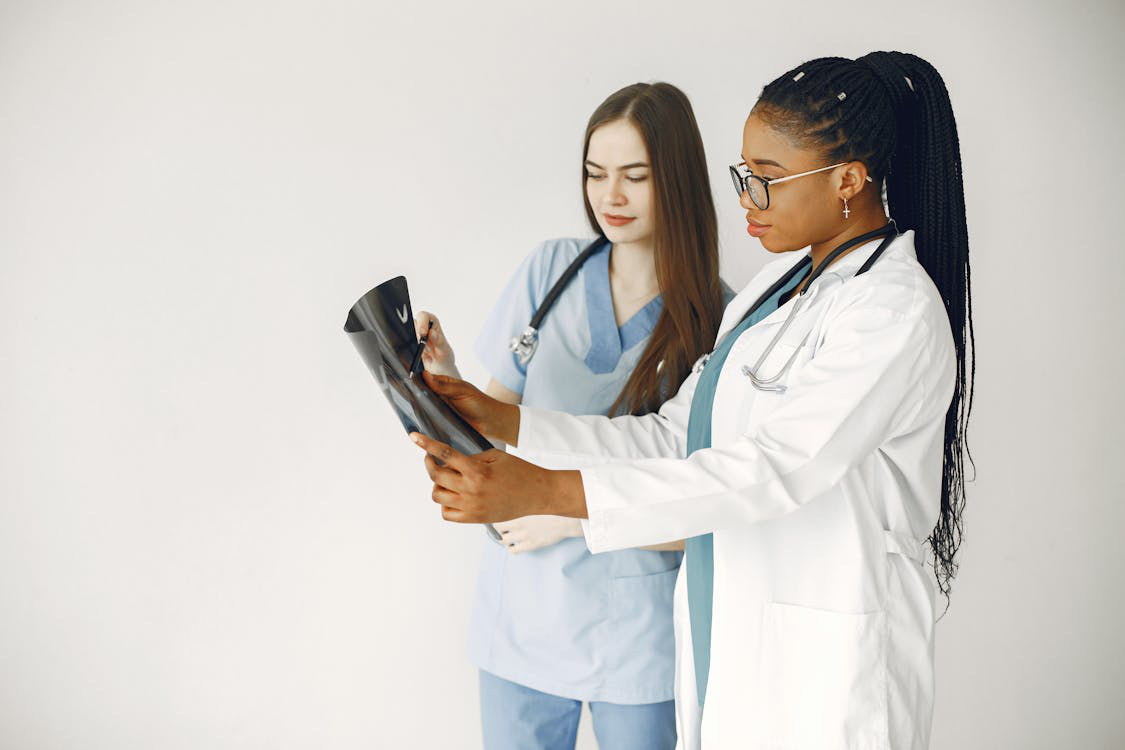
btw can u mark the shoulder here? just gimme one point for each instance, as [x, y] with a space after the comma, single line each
[548, 260]
[560, 251]
[897, 290]
[896, 281]
[542, 267]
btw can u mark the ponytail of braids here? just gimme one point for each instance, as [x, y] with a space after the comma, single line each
[891, 111]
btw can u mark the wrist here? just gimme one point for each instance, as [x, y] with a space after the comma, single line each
[508, 429]
[566, 495]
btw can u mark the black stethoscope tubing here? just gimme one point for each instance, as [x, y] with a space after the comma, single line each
[888, 231]
[525, 344]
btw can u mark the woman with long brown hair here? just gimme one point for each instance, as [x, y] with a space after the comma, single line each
[608, 327]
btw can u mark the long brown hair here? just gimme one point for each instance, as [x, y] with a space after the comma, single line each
[685, 238]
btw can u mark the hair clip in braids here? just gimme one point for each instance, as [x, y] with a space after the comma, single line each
[841, 96]
[799, 76]
[909, 83]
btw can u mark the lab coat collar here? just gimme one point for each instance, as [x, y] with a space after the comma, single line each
[774, 270]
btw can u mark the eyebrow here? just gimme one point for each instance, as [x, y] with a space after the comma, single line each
[634, 165]
[764, 162]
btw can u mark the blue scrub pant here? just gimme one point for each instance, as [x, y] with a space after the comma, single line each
[515, 717]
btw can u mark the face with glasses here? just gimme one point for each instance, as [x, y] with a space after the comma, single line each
[792, 194]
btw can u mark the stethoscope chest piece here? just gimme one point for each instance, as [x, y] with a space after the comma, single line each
[524, 345]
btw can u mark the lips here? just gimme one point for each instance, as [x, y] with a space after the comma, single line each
[754, 229]
[618, 221]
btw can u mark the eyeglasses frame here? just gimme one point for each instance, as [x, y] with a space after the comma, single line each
[741, 185]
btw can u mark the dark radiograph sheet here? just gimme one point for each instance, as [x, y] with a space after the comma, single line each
[381, 326]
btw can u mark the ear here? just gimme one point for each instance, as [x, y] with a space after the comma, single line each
[850, 179]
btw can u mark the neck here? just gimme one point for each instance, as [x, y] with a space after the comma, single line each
[867, 221]
[634, 265]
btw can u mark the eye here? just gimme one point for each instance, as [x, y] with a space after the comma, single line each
[592, 176]
[767, 177]
[637, 179]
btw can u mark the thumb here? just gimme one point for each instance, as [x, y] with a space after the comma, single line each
[444, 384]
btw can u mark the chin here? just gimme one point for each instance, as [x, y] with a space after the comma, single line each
[771, 245]
[622, 235]
[777, 245]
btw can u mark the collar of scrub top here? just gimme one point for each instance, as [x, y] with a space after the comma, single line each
[608, 341]
[525, 344]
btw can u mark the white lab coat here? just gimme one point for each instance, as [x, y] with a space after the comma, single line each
[819, 499]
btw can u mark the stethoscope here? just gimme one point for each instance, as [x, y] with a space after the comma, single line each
[524, 345]
[772, 384]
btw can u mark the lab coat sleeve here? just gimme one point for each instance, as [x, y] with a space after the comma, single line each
[867, 382]
[662, 433]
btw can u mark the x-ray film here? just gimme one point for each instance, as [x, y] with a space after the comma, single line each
[381, 326]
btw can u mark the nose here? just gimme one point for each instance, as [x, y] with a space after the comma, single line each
[745, 202]
[616, 193]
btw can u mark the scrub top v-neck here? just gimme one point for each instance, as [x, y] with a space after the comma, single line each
[558, 619]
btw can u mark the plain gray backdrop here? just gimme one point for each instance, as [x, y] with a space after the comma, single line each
[212, 532]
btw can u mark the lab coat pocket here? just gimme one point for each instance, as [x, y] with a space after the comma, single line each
[823, 681]
[641, 616]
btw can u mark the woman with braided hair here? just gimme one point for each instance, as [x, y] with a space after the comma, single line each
[812, 458]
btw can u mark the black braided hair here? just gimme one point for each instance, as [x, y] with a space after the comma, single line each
[891, 111]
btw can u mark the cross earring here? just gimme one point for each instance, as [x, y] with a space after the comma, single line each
[846, 211]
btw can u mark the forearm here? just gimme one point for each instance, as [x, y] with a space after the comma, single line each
[621, 438]
[506, 398]
[628, 437]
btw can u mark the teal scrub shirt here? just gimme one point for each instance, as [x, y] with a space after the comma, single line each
[700, 550]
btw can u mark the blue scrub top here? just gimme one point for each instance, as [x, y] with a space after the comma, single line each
[559, 619]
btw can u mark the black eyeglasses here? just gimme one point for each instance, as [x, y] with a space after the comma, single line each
[759, 187]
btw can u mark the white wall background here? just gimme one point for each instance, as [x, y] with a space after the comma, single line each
[212, 533]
